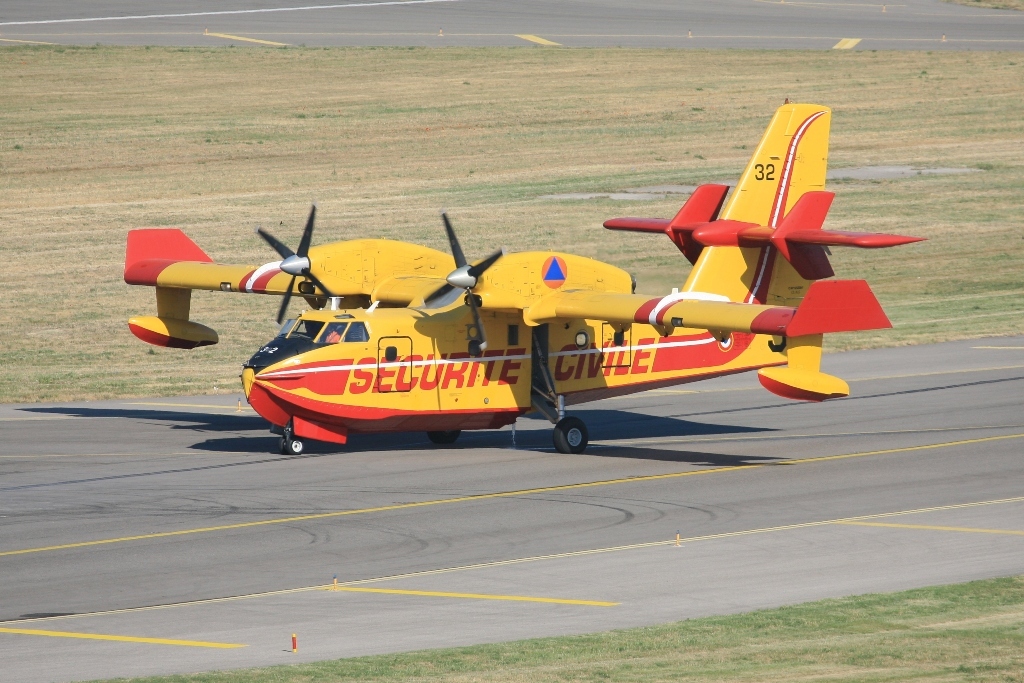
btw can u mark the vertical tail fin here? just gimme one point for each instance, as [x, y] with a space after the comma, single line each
[790, 160]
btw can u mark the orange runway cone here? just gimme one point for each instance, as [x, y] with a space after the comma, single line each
[295, 643]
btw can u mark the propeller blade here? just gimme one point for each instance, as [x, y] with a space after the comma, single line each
[481, 337]
[307, 233]
[453, 241]
[478, 269]
[275, 244]
[316, 281]
[438, 293]
[284, 301]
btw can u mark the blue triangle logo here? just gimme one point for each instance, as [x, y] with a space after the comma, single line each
[554, 271]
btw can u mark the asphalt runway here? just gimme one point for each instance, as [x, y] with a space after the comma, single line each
[805, 24]
[174, 520]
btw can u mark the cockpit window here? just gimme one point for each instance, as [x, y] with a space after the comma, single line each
[306, 328]
[333, 333]
[286, 328]
[357, 332]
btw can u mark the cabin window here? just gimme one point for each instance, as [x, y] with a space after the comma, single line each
[306, 328]
[513, 335]
[357, 332]
[333, 333]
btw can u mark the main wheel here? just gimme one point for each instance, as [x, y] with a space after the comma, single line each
[570, 435]
[444, 438]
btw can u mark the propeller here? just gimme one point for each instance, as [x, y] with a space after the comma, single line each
[466, 276]
[295, 263]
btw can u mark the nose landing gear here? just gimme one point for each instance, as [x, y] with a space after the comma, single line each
[289, 444]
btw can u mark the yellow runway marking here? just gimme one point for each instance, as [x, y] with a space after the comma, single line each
[496, 495]
[228, 36]
[474, 596]
[188, 405]
[29, 42]
[673, 440]
[535, 558]
[939, 372]
[121, 639]
[538, 40]
[928, 527]
[846, 44]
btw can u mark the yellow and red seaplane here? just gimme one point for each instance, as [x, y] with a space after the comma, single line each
[401, 337]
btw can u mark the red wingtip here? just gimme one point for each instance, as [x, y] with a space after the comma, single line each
[838, 306]
[151, 250]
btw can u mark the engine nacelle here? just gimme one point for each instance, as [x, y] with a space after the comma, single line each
[172, 332]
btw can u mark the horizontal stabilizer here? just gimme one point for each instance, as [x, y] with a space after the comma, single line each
[700, 208]
[799, 237]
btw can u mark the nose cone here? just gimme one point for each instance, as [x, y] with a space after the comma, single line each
[295, 265]
[460, 277]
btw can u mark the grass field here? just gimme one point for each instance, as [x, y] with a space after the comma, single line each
[96, 141]
[965, 632]
[992, 4]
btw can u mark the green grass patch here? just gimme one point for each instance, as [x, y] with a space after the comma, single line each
[964, 632]
[100, 140]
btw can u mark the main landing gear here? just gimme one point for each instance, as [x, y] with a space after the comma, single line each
[444, 438]
[570, 435]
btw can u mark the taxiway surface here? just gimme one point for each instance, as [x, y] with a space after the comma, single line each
[146, 536]
[818, 24]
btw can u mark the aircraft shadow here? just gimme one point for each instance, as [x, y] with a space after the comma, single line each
[604, 425]
[197, 421]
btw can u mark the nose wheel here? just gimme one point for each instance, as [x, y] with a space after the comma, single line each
[289, 444]
[570, 435]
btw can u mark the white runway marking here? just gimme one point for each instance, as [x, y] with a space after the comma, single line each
[233, 11]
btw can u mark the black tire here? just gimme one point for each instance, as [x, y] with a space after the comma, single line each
[290, 445]
[282, 446]
[570, 435]
[444, 438]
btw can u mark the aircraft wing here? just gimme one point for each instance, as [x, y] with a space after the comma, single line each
[829, 306]
[168, 258]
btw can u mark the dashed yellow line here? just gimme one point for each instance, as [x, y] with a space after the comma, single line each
[27, 42]
[929, 527]
[474, 596]
[120, 639]
[498, 494]
[228, 36]
[537, 39]
[846, 44]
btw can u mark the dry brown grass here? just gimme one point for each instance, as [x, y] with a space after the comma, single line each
[992, 4]
[96, 141]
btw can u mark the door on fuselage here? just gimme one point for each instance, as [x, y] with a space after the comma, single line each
[394, 365]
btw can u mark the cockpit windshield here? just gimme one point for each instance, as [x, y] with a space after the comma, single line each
[333, 333]
[286, 328]
[307, 329]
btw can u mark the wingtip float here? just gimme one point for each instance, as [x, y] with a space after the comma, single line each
[401, 337]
